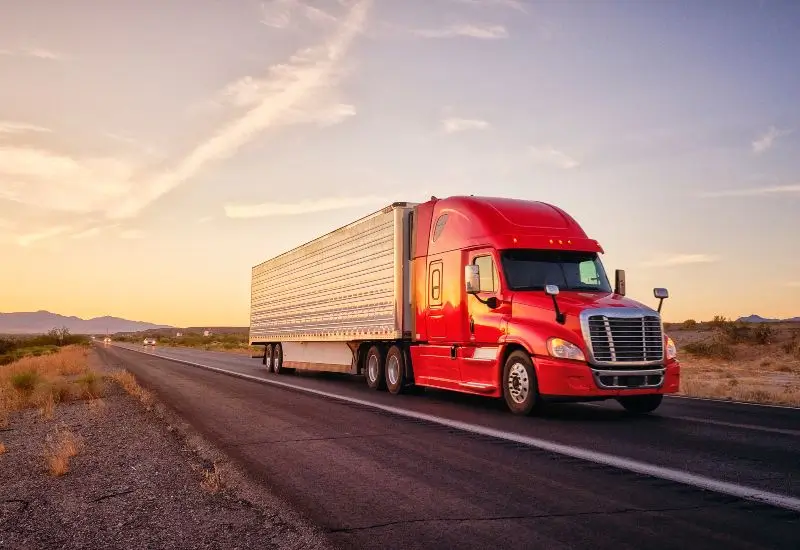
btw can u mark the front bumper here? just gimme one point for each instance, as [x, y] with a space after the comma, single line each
[559, 377]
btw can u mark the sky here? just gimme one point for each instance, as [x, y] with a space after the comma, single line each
[152, 152]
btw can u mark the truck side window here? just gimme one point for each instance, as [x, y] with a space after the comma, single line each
[488, 273]
[436, 284]
[437, 231]
[588, 273]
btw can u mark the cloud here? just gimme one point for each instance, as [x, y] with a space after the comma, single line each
[755, 191]
[9, 127]
[299, 91]
[38, 53]
[132, 234]
[30, 238]
[279, 14]
[205, 219]
[517, 5]
[766, 140]
[452, 125]
[272, 209]
[293, 92]
[57, 182]
[681, 259]
[554, 157]
[487, 32]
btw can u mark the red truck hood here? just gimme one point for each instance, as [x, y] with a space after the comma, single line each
[571, 303]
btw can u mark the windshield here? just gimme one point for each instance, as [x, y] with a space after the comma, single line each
[570, 270]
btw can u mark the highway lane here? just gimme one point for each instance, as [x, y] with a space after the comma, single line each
[372, 479]
[748, 445]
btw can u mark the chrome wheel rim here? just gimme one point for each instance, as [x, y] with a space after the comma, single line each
[268, 362]
[372, 368]
[276, 362]
[393, 370]
[518, 383]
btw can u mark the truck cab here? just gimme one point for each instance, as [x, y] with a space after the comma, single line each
[511, 299]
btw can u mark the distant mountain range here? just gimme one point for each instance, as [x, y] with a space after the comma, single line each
[760, 319]
[39, 322]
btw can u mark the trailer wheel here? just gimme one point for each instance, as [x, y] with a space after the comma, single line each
[520, 388]
[268, 357]
[395, 369]
[277, 359]
[375, 369]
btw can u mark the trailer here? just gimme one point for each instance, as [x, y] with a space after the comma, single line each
[498, 297]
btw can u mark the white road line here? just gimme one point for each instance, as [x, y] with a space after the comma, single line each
[678, 476]
[767, 429]
[731, 402]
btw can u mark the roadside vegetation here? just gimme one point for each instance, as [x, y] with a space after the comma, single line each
[234, 342]
[727, 359]
[13, 347]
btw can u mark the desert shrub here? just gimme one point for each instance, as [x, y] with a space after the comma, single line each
[717, 347]
[25, 381]
[737, 333]
[719, 321]
[763, 334]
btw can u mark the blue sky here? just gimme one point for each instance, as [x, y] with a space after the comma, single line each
[152, 153]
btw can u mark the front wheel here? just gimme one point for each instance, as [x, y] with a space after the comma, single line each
[520, 388]
[641, 404]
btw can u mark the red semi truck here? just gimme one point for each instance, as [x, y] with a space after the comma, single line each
[498, 297]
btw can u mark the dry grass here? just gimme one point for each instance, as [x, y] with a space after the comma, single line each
[45, 381]
[740, 363]
[59, 448]
[128, 383]
[212, 480]
[2, 448]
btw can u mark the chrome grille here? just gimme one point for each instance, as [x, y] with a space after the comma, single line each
[625, 336]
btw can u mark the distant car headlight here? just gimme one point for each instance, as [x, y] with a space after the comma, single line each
[558, 347]
[672, 349]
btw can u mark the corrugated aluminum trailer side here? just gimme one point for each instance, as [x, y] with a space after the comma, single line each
[352, 284]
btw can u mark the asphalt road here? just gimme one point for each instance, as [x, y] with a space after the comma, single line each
[373, 479]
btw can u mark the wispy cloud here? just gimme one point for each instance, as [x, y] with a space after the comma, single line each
[291, 93]
[518, 5]
[280, 14]
[10, 127]
[299, 91]
[271, 209]
[766, 140]
[470, 30]
[38, 53]
[132, 234]
[550, 156]
[30, 238]
[673, 260]
[205, 219]
[454, 124]
[776, 190]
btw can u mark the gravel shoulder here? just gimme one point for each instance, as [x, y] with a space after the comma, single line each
[140, 478]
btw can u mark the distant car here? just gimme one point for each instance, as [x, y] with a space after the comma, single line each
[106, 340]
[149, 341]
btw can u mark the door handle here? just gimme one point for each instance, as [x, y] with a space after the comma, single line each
[471, 324]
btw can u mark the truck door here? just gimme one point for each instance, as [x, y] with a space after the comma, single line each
[484, 324]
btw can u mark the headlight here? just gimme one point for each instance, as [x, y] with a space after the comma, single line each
[562, 349]
[672, 349]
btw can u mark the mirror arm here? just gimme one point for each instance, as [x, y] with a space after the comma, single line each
[560, 317]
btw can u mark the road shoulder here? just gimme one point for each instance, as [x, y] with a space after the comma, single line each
[136, 477]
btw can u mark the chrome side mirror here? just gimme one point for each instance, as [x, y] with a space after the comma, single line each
[472, 278]
[551, 290]
[661, 294]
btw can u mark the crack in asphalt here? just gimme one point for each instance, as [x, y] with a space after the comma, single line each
[112, 495]
[621, 511]
[303, 439]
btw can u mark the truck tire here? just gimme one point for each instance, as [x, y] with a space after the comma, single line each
[396, 369]
[277, 359]
[520, 388]
[268, 357]
[641, 404]
[375, 368]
